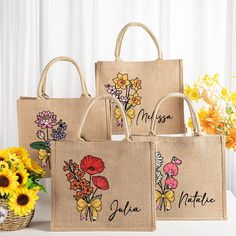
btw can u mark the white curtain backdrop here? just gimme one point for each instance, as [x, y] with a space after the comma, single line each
[201, 32]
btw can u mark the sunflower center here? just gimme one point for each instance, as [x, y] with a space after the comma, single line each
[22, 199]
[1, 159]
[4, 181]
[20, 179]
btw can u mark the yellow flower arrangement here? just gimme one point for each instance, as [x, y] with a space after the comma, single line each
[19, 180]
[127, 92]
[220, 115]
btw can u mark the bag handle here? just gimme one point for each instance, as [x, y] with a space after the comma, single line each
[193, 113]
[122, 33]
[111, 99]
[42, 83]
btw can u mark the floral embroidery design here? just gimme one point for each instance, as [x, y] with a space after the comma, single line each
[165, 192]
[88, 203]
[126, 91]
[51, 129]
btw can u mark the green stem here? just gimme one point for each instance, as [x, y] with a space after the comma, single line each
[94, 193]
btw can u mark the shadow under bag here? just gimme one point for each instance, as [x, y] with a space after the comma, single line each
[42, 120]
[103, 185]
[190, 172]
[138, 85]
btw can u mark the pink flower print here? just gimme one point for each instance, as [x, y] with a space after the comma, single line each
[170, 169]
[176, 160]
[46, 119]
[171, 183]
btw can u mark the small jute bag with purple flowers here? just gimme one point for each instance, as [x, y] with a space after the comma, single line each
[103, 185]
[42, 120]
[190, 172]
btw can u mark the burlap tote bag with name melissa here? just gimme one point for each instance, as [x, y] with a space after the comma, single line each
[103, 185]
[138, 85]
[190, 172]
[42, 120]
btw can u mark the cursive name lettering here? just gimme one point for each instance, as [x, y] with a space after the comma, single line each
[201, 199]
[125, 210]
[144, 116]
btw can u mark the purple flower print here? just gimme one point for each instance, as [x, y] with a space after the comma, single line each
[124, 99]
[46, 119]
[51, 129]
[111, 89]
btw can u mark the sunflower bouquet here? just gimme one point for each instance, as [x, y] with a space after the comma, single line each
[19, 185]
[217, 114]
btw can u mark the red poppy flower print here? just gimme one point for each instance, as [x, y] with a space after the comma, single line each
[92, 165]
[85, 184]
[100, 182]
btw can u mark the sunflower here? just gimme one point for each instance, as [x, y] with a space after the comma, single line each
[3, 165]
[34, 167]
[23, 201]
[22, 176]
[8, 182]
[4, 155]
[14, 159]
[19, 151]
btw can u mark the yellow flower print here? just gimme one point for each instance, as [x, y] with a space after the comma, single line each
[233, 97]
[121, 81]
[134, 99]
[130, 114]
[136, 84]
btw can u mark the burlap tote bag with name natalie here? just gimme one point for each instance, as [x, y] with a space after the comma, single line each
[138, 85]
[190, 172]
[103, 185]
[42, 120]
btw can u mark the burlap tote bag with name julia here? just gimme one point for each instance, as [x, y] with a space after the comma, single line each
[42, 119]
[138, 85]
[190, 172]
[103, 185]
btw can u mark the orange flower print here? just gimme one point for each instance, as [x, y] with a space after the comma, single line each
[88, 203]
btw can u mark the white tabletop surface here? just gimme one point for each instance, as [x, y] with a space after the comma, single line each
[41, 225]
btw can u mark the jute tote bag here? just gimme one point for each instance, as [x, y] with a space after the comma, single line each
[190, 172]
[103, 185]
[138, 85]
[42, 120]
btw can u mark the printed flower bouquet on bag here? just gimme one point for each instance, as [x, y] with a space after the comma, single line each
[126, 91]
[19, 185]
[85, 182]
[218, 114]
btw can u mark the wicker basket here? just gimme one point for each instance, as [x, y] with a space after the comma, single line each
[11, 221]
